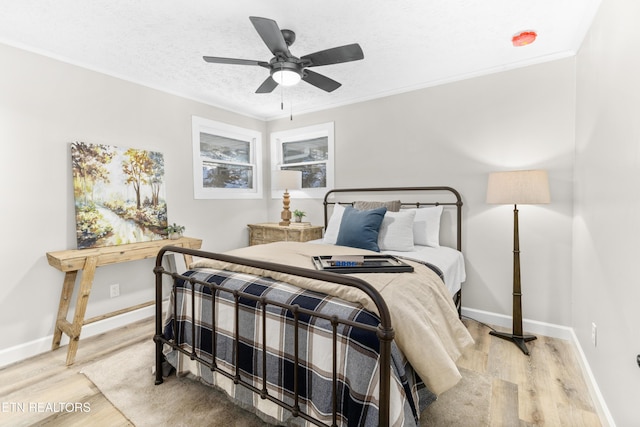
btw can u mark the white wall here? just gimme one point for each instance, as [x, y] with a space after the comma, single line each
[45, 105]
[455, 135]
[607, 206]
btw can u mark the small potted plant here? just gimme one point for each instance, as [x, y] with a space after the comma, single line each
[298, 215]
[175, 231]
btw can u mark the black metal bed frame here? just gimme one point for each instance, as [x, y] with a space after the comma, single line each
[384, 330]
[457, 299]
[417, 204]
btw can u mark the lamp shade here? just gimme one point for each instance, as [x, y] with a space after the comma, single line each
[287, 180]
[527, 187]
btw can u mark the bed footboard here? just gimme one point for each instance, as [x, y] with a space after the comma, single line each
[384, 330]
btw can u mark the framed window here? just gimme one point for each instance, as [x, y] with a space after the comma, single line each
[309, 150]
[226, 161]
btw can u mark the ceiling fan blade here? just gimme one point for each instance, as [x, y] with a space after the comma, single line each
[336, 55]
[217, 60]
[267, 86]
[271, 35]
[320, 81]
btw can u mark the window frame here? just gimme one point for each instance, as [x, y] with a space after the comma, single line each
[278, 139]
[253, 137]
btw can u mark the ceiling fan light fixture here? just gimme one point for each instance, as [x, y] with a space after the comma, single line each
[285, 69]
[286, 77]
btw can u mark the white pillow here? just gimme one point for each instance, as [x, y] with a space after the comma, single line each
[333, 227]
[426, 226]
[396, 231]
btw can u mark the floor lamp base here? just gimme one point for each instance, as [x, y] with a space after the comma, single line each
[518, 340]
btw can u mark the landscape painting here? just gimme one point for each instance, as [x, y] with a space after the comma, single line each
[119, 195]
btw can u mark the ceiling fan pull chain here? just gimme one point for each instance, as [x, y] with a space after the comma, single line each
[281, 91]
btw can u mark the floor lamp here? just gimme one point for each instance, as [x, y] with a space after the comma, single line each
[515, 188]
[287, 180]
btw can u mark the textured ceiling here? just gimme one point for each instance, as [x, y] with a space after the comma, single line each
[407, 44]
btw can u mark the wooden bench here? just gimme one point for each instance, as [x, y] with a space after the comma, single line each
[72, 261]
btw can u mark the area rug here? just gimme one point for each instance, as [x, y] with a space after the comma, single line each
[126, 380]
[465, 405]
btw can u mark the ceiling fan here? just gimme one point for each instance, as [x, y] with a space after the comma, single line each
[286, 69]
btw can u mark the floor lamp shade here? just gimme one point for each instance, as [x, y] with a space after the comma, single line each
[287, 180]
[527, 187]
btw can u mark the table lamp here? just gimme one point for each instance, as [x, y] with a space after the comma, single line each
[287, 180]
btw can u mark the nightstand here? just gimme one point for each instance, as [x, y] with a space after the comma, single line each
[272, 232]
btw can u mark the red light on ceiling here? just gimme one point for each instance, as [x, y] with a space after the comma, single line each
[524, 38]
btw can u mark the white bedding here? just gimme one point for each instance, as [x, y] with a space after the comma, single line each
[448, 260]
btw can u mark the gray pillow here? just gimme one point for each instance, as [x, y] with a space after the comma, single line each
[392, 206]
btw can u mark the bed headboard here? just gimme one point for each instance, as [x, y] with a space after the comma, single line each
[411, 197]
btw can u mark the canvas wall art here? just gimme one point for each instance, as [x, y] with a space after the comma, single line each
[119, 195]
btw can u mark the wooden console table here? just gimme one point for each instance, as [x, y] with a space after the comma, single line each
[87, 260]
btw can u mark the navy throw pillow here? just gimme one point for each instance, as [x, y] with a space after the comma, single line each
[359, 229]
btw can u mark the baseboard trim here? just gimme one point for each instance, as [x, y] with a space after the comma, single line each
[33, 348]
[555, 331]
[596, 395]
[528, 326]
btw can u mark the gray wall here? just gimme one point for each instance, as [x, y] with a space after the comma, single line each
[455, 135]
[607, 206]
[449, 135]
[45, 105]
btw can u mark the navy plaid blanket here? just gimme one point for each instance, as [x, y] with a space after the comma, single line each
[357, 350]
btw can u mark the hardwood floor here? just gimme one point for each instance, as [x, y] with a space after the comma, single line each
[26, 388]
[544, 389]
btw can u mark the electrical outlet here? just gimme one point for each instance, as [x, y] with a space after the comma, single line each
[594, 334]
[114, 290]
